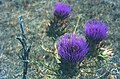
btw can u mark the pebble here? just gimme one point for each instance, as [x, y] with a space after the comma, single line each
[111, 77]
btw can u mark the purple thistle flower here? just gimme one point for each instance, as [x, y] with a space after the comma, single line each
[72, 48]
[96, 30]
[62, 10]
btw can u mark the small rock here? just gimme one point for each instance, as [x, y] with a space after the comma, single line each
[111, 77]
[115, 65]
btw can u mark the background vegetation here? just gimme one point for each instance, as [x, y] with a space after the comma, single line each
[36, 15]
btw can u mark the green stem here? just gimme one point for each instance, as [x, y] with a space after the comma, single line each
[77, 23]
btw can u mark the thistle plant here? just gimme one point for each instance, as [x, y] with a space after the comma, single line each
[62, 10]
[58, 24]
[72, 49]
[96, 32]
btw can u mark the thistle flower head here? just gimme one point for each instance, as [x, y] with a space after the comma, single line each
[96, 30]
[72, 48]
[62, 10]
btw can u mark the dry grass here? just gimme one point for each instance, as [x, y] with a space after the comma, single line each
[36, 15]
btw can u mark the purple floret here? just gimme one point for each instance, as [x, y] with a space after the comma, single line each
[96, 30]
[72, 48]
[62, 10]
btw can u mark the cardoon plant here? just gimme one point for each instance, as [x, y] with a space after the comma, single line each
[72, 49]
[58, 25]
[95, 31]
[62, 10]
